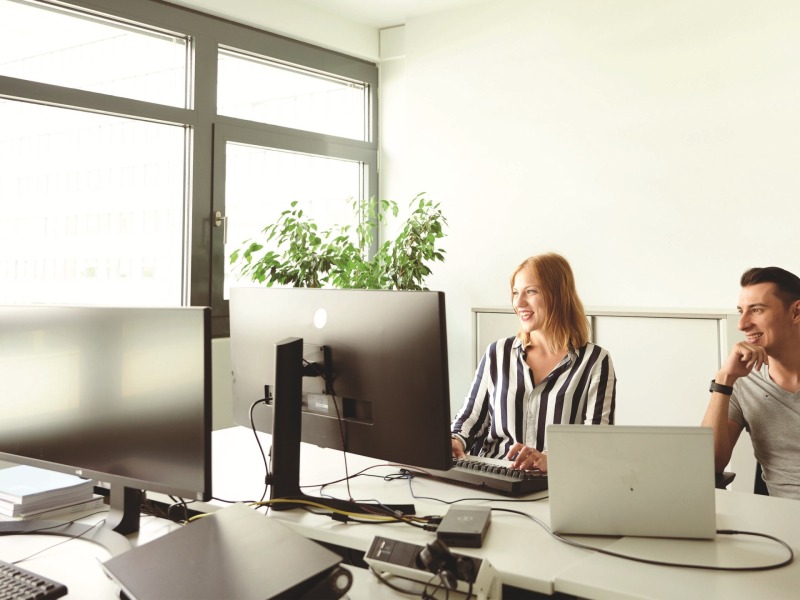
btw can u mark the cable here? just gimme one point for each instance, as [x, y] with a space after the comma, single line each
[318, 370]
[267, 466]
[329, 386]
[69, 538]
[368, 517]
[649, 561]
[394, 587]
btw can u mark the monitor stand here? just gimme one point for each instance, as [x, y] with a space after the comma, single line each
[286, 434]
[124, 508]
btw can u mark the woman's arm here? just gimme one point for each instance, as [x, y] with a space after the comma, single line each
[601, 392]
[472, 418]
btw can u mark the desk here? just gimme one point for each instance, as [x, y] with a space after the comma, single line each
[524, 555]
[74, 562]
[77, 563]
[598, 576]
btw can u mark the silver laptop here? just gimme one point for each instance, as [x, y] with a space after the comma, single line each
[639, 481]
[235, 553]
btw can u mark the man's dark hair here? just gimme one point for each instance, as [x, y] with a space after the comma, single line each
[787, 284]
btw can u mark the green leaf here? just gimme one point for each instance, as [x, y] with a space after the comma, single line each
[299, 253]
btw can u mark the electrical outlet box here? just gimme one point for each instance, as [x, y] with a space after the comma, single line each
[402, 559]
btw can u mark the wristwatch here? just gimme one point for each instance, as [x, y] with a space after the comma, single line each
[722, 389]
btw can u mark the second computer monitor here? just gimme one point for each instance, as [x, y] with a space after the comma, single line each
[381, 354]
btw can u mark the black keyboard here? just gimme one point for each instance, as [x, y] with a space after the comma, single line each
[490, 475]
[18, 584]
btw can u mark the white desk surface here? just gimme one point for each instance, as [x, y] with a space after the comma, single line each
[599, 576]
[77, 563]
[523, 553]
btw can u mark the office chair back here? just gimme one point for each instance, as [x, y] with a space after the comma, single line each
[760, 487]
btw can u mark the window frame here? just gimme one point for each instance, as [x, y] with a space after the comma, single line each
[207, 132]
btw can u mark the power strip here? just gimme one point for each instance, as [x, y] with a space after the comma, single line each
[403, 560]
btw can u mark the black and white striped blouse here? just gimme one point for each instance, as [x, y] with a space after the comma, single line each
[504, 406]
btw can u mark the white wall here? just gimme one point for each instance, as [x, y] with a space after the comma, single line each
[655, 144]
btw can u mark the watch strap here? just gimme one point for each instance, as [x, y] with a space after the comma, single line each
[722, 389]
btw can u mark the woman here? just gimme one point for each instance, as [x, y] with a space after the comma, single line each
[548, 373]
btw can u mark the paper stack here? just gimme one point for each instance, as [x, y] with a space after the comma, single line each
[29, 492]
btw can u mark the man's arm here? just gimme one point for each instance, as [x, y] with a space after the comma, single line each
[742, 359]
[726, 431]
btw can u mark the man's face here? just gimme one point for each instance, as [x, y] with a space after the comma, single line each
[765, 320]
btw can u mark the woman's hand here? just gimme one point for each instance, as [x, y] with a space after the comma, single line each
[526, 458]
[458, 448]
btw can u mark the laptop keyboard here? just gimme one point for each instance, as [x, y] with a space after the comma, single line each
[491, 475]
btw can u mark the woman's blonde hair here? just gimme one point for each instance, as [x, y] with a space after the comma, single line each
[565, 324]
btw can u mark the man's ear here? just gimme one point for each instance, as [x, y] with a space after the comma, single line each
[795, 311]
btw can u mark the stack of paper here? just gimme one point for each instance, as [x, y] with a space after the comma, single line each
[27, 491]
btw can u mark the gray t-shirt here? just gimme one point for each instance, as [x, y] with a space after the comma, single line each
[772, 417]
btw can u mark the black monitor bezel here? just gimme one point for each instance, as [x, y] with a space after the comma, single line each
[126, 492]
[325, 431]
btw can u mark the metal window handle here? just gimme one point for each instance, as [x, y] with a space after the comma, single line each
[222, 220]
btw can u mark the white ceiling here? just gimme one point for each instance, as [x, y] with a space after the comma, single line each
[385, 13]
[379, 14]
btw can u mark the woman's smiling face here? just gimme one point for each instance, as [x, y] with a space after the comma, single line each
[526, 297]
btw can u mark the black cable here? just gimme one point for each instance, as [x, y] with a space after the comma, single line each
[267, 466]
[649, 561]
[329, 386]
[439, 586]
[394, 587]
[69, 538]
[318, 370]
[362, 472]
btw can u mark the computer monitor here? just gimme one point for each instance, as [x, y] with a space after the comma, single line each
[381, 354]
[118, 395]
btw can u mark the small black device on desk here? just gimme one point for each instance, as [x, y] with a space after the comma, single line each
[465, 526]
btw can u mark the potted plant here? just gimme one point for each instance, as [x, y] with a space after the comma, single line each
[296, 252]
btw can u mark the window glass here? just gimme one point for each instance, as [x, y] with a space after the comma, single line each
[93, 208]
[261, 183]
[88, 53]
[270, 92]
[110, 175]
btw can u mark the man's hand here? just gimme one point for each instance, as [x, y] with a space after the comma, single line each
[526, 458]
[744, 357]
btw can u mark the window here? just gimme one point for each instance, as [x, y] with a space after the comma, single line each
[125, 128]
[259, 89]
[79, 50]
[260, 180]
[92, 207]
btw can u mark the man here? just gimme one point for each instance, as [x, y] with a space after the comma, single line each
[758, 386]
